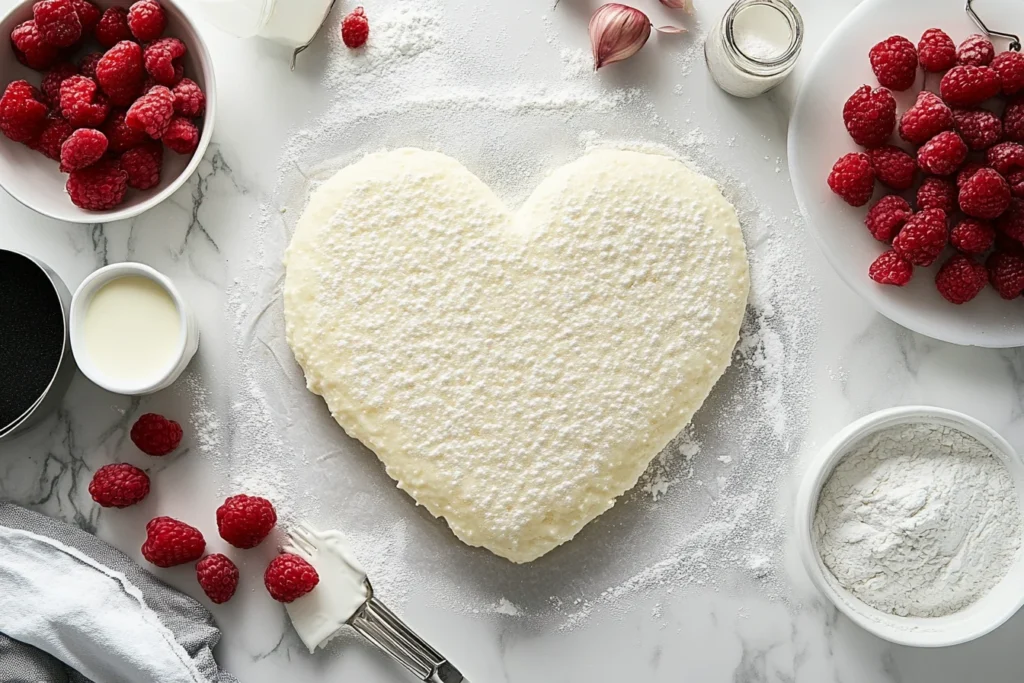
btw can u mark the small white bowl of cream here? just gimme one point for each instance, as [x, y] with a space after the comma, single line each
[132, 333]
[911, 521]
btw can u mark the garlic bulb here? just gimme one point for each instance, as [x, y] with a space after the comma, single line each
[617, 32]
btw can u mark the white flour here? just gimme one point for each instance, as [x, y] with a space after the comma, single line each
[920, 520]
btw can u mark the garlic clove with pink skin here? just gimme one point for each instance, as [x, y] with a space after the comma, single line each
[685, 5]
[670, 29]
[617, 32]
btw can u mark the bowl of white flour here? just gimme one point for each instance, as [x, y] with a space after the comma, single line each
[911, 521]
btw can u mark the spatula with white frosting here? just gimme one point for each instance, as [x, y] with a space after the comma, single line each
[344, 596]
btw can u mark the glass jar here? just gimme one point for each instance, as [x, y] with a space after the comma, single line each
[755, 46]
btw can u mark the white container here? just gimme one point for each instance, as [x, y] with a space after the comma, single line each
[755, 46]
[293, 23]
[181, 352]
[974, 621]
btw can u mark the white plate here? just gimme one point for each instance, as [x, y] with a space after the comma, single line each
[817, 138]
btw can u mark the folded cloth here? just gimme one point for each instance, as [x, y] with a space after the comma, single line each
[75, 610]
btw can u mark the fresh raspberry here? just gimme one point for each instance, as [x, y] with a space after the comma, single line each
[853, 179]
[943, 154]
[979, 128]
[152, 112]
[977, 50]
[49, 142]
[120, 73]
[244, 521]
[99, 187]
[142, 164]
[189, 100]
[966, 171]
[31, 49]
[155, 434]
[289, 577]
[112, 27]
[83, 148]
[119, 486]
[985, 194]
[58, 22]
[887, 216]
[927, 118]
[87, 65]
[120, 136]
[936, 50]
[163, 60]
[893, 166]
[1006, 157]
[218, 577]
[182, 136]
[52, 80]
[170, 542]
[894, 61]
[88, 14]
[937, 193]
[1011, 223]
[1010, 67]
[891, 269]
[870, 115]
[1006, 273]
[147, 20]
[923, 238]
[960, 279]
[355, 28]
[969, 86]
[22, 112]
[81, 104]
[1013, 120]
[972, 236]
[1016, 182]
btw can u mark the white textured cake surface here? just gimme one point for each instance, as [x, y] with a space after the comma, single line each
[515, 371]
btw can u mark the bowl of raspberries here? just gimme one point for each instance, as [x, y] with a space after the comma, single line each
[106, 107]
[907, 157]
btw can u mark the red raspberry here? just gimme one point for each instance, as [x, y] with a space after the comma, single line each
[893, 166]
[1006, 272]
[155, 434]
[853, 179]
[189, 100]
[152, 112]
[170, 542]
[142, 164]
[120, 136]
[119, 486]
[1011, 223]
[245, 521]
[894, 61]
[57, 21]
[120, 72]
[112, 27]
[163, 60]
[81, 104]
[83, 148]
[870, 115]
[1010, 67]
[985, 194]
[927, 118]
[355, 28]
[936, 50]
[969, 86]
[22, 112]
[891, 269]
[52, 80]
[49, 142]
[289, 577]
[99, 187]
[218, 577]
[966, 171]
[937, 193]
[960, 279]
[146, 19]
[977, 50]
[1013, 120]
[943, 154]
[887, 216]
[979, 128]
[1016, 182]
[88, 14]
[1006, 157]
[182, 136]
[972, 236]
[87, 65]
[31, 49]
[923, 238]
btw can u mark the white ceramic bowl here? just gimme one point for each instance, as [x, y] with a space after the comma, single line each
[34, 180]
[1001, 603]
[188, 339]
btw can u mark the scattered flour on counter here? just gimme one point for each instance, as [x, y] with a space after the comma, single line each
[206, 425]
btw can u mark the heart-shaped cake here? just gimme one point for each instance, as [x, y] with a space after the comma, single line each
[515, 371]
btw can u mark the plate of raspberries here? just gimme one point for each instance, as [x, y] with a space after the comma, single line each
[906, 152]
[106, 108]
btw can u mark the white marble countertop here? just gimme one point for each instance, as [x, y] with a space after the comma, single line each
[620, 602]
